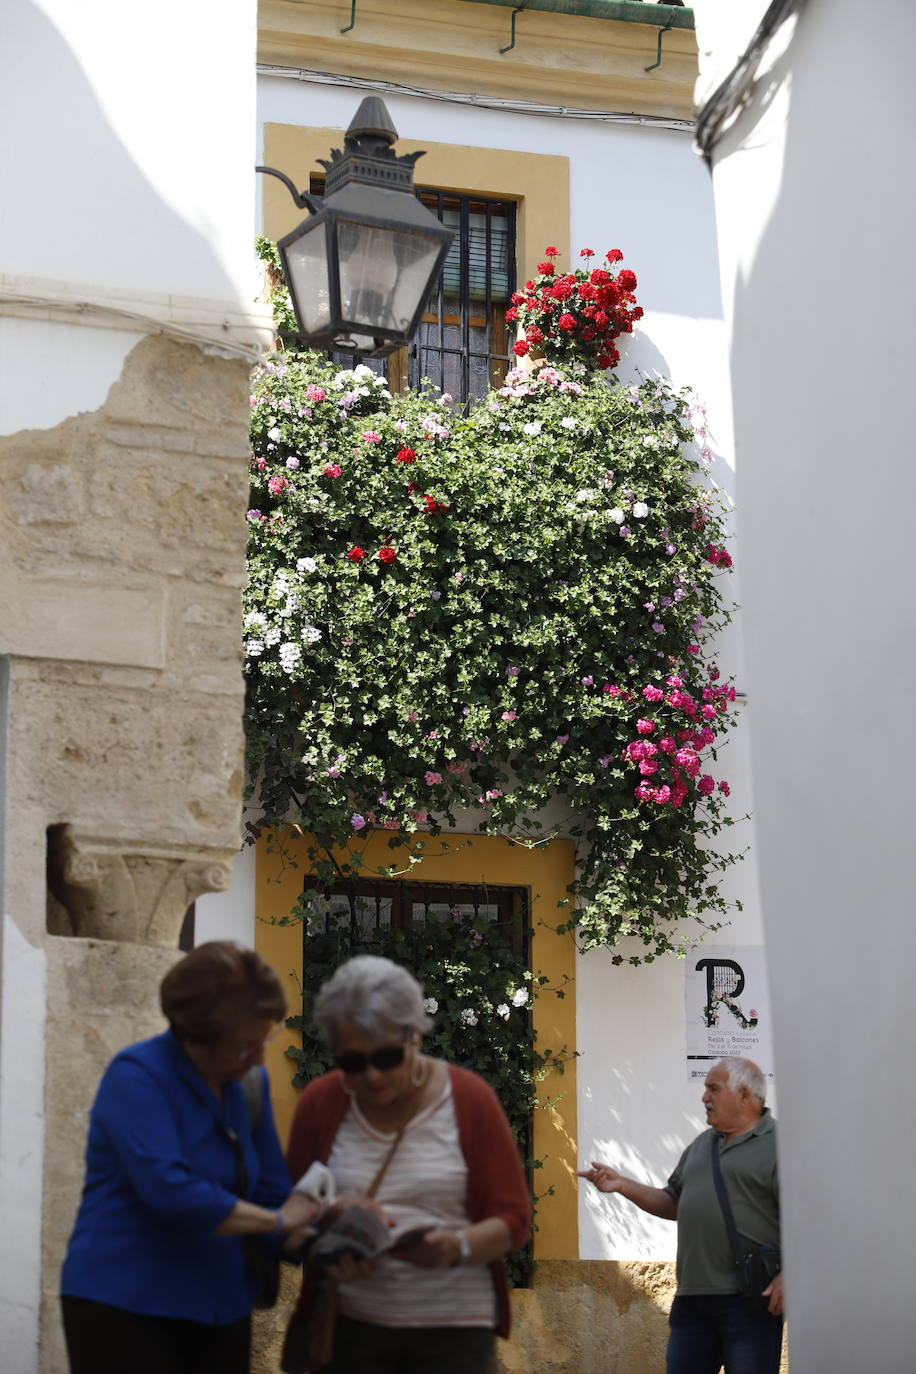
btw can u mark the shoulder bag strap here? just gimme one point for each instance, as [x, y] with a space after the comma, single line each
[253, 1088]
[383, 1167]
[724, 1203]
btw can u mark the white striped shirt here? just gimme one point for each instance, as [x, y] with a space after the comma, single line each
[425, 1184]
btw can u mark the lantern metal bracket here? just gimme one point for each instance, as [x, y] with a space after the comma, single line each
[304, 199]
[352, 23]
[518, 9]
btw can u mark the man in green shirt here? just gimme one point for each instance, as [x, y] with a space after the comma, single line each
[711, 1323]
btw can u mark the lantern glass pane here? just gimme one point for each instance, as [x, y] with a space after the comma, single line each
[307, 269]
[384, 272]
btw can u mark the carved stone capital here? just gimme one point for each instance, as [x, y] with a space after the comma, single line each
[116, 890]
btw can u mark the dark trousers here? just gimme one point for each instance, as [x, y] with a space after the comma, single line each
[709, 1332]
[108, 1340]
[364, 1348]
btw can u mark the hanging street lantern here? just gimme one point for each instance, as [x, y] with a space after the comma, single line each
[361, 268]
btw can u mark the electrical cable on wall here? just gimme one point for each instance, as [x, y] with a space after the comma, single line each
[480, 102]
[148, 324]
[726, 99]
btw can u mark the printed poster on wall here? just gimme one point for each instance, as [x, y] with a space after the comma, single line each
[727, 1003]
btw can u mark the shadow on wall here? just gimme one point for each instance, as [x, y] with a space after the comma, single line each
[827, 489]
[642, 360]
[84, 211]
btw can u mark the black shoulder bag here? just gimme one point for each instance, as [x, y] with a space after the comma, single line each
[755, 1269]
[262, 1263]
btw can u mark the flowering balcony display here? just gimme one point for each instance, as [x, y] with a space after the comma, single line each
[452, 620]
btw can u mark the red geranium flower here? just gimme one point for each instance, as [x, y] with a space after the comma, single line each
[520, 348]
[566, 321]
[599, 277]
[586, 252]
[614, 255]
[546, 269]
[387, 554]
[534, 335]
[405, 456]
[511, 315]
[626, 279]
[356, 554]
[551, 252]
[333, 470]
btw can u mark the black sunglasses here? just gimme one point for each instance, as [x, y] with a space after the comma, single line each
[388, 1057]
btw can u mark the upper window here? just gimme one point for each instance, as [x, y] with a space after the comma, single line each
[462, 344]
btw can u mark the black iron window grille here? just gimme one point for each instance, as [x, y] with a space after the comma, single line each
[357, 909]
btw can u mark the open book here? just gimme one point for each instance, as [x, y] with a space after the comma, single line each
[362, 1234]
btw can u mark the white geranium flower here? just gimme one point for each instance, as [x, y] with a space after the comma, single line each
[273, 434]
[273, 636]
[640, 510]
[307, 565]
[255, 620]
[568, 422]
[310, 634]
[254, 648]
[532, 427]
[290, 657]
[503, 1011]
[586, 494]
[617, 515]
[430, 1005]
[520, 997]
[468, 1017]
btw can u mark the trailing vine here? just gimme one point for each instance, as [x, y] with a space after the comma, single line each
[453, 622]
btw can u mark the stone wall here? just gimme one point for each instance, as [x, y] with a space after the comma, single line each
[579, 1317]
[123, 538]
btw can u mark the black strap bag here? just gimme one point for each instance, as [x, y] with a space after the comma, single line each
[263, 1263]
[756, 1268]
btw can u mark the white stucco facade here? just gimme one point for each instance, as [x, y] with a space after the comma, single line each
[644, 190]
[123, 217]
[815, 203]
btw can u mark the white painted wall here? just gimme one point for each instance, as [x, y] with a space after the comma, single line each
[645, 191]
[127, 167]
[815, 203]
[230, 915]
[129, 183]
[22, 1063]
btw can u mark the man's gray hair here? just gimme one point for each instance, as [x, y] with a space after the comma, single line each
[744, 1073]
[374, 994]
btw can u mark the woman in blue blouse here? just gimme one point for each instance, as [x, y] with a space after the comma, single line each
[156, 1279]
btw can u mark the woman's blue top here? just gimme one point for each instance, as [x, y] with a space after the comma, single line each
[161, 1174]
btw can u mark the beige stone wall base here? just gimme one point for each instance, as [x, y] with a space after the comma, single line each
[580, 1317]
[102, 995]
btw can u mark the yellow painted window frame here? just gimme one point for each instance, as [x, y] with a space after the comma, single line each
[546, 870]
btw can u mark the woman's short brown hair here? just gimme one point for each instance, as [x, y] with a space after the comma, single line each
[208, 992]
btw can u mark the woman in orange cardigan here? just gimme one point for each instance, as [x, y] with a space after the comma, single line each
[455, 1172]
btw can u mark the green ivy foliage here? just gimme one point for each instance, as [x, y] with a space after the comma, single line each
[479, 995]
[484, 614]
